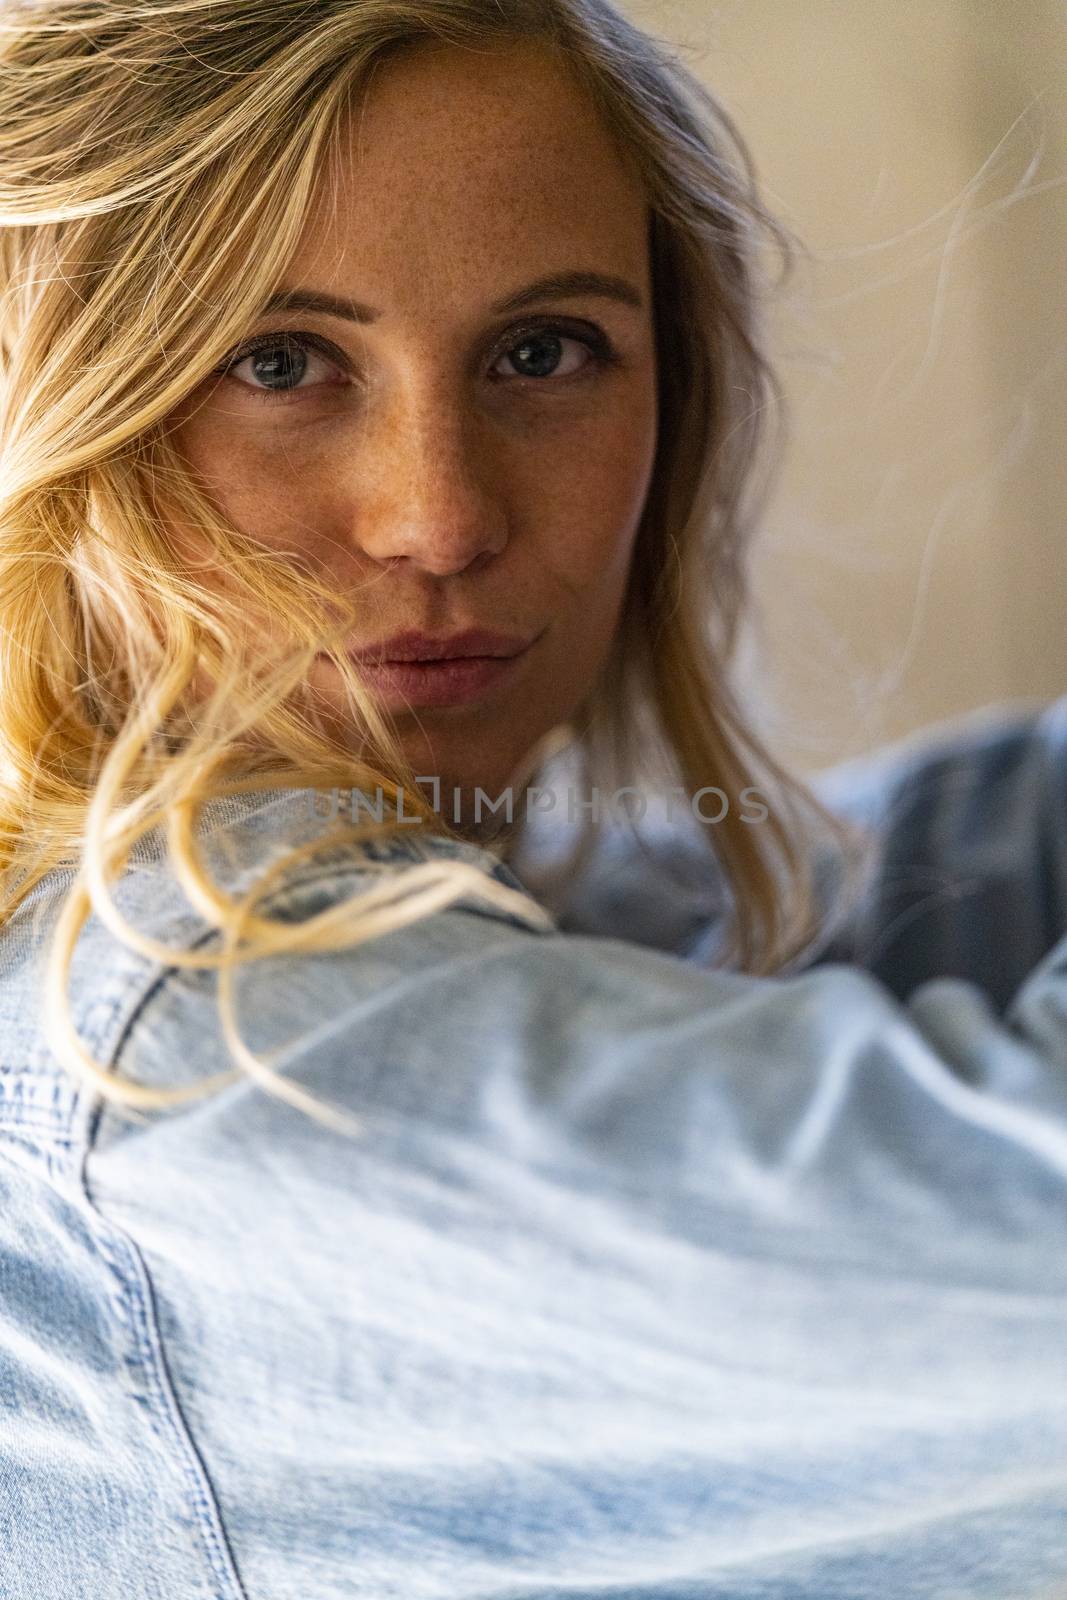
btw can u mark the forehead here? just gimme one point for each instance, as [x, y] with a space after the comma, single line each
[461, 165]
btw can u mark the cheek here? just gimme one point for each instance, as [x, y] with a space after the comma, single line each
[595, 496]
[275, 495]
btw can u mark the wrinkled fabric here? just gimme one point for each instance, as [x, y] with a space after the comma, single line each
[642, 1280]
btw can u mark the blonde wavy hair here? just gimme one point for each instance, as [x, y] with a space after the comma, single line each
[158, 161]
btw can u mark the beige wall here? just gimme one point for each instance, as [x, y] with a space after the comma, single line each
[912, 563]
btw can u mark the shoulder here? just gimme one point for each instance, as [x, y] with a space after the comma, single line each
[111, 982]
[483, 1030]
[462, 1033]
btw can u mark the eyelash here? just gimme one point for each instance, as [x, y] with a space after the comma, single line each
[601, 351]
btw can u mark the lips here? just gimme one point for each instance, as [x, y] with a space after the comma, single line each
[414, 645]
[459, 680]
[415, 669]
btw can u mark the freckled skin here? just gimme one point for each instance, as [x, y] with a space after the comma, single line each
[435, 478]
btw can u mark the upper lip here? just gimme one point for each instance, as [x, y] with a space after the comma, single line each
[416, 646]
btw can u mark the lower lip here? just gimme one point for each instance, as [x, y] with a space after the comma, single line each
[458, 681]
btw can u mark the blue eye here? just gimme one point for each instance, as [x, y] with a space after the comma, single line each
[535, 350]
[280, 362]
[546, 345]
[286, 363]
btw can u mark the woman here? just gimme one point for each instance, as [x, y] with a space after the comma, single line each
[607, 1273]
[571, 497]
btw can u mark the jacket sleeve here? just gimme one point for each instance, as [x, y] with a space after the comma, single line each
[470, 1015]
[634, 1268]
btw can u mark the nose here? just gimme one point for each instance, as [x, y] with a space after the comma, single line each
[427, 492]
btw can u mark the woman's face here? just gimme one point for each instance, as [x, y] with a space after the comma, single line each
[459, 462]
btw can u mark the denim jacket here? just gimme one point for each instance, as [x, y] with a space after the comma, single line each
[643, 1280]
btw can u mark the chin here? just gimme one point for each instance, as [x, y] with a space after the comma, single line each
[474, 767]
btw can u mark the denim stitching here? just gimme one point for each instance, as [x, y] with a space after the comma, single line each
[138, 1316]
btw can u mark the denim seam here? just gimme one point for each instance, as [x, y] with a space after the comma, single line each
[90, 1119]
[66, 1151]
[136, 1283]
[166, 1416]
[330, 872]
[132, 1274]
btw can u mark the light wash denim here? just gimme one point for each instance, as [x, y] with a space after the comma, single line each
[644, 1281]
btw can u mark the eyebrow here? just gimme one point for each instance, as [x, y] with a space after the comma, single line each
[557, 286]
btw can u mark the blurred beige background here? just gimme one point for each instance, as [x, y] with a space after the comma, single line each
[912, 563]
